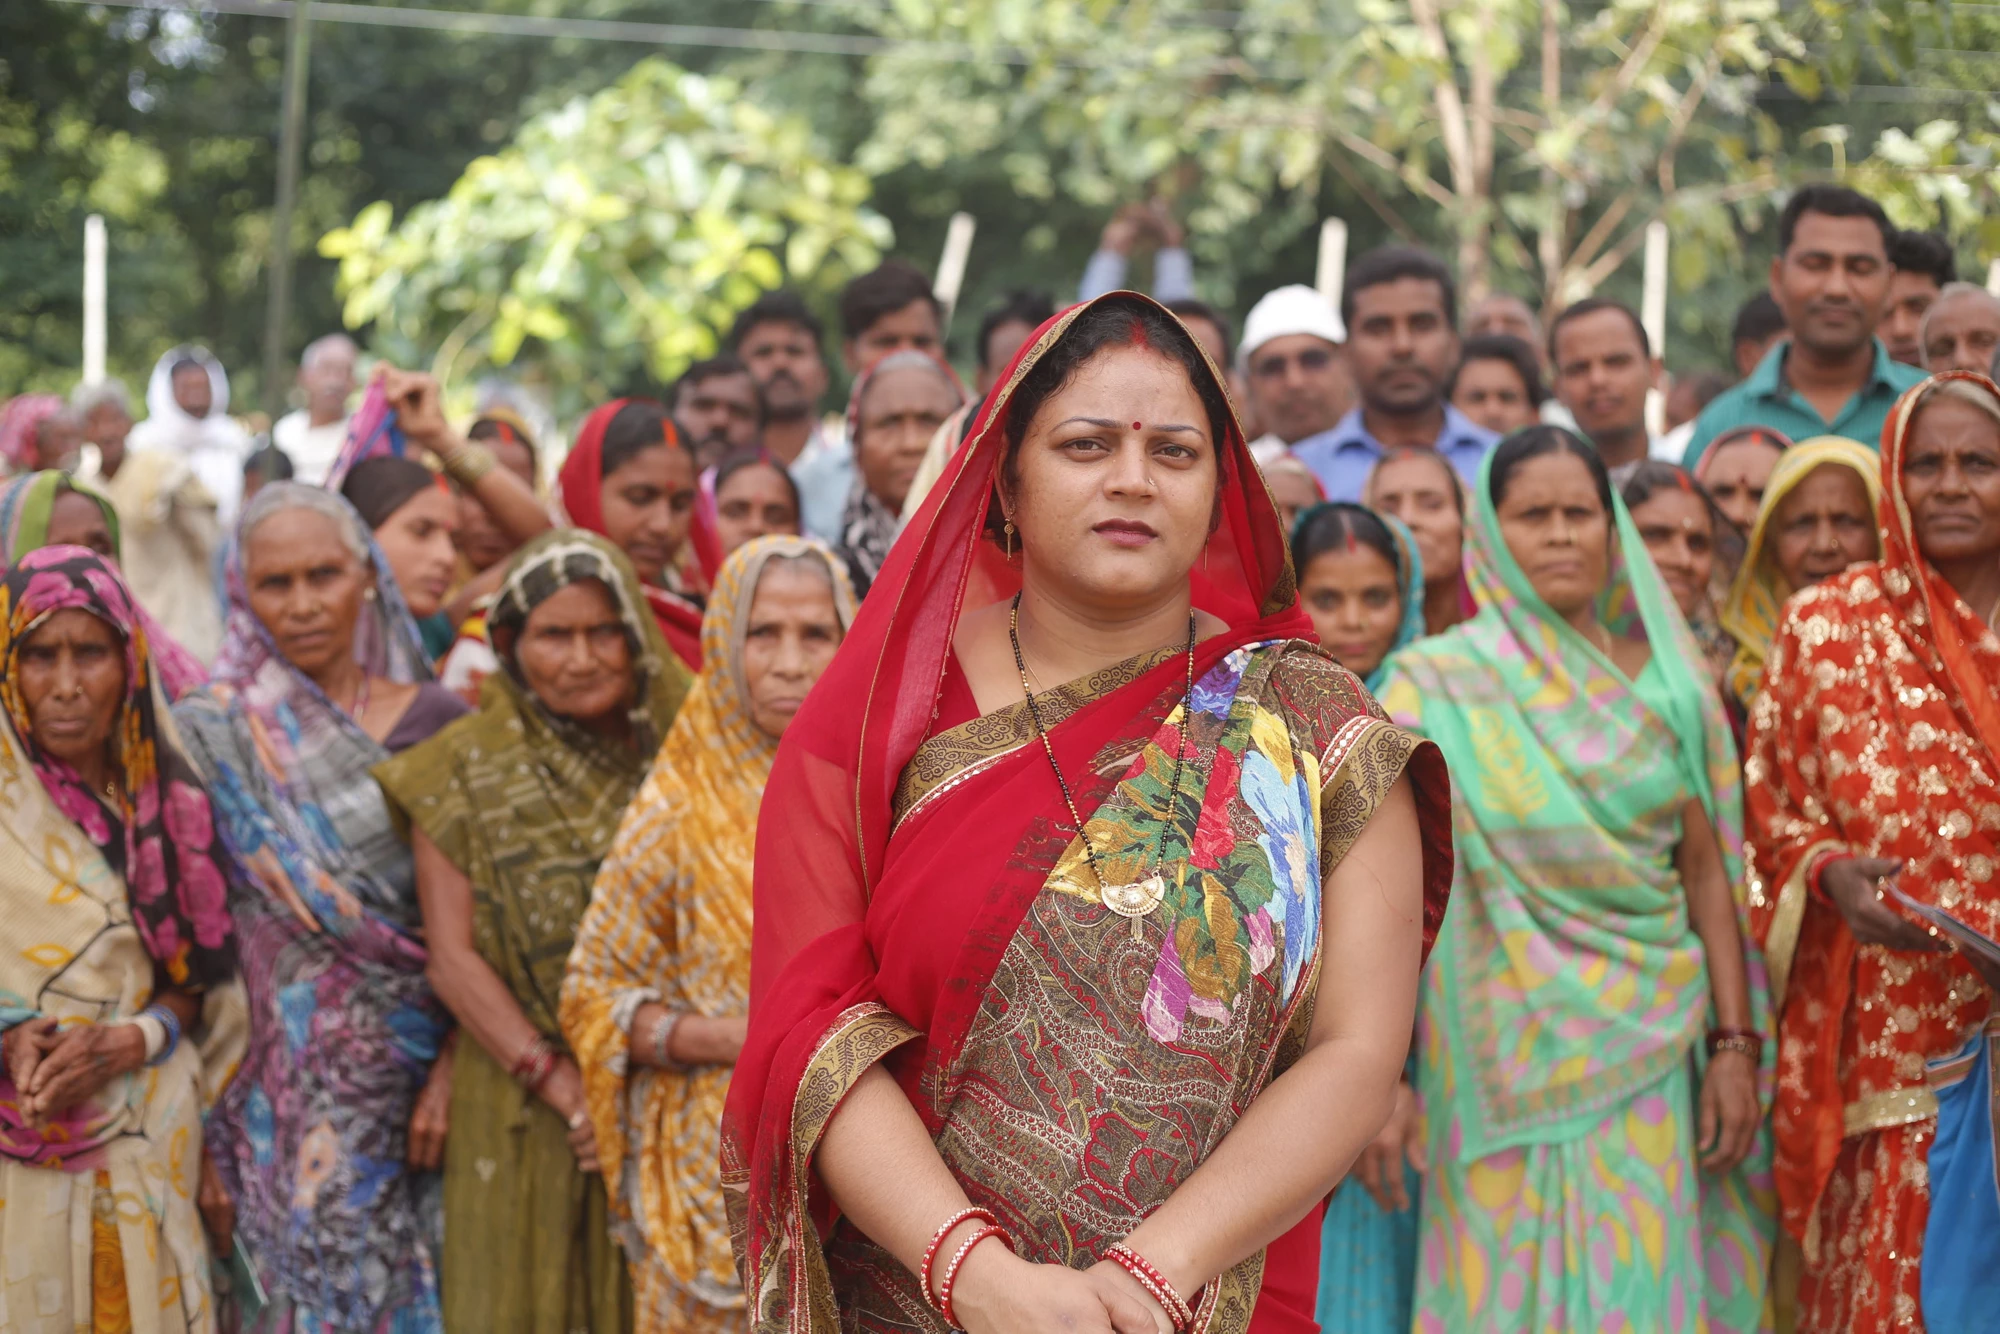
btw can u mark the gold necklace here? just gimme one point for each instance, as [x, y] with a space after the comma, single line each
[1137, 898]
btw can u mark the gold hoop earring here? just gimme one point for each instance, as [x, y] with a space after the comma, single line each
[1009, 531]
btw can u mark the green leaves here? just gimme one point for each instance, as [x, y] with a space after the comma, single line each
[615, 239]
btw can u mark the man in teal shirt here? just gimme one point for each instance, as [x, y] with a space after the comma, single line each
[1833, 376]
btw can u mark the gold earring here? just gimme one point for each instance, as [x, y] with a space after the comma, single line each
[1009, 531]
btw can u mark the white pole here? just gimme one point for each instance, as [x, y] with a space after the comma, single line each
[1653, 315]
[1332, 269]
[1993, 277]
[951, 264]
[93, 299]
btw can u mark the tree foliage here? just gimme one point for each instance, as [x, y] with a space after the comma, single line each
[619, 233]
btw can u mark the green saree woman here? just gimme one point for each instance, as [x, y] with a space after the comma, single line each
[1577, 1179]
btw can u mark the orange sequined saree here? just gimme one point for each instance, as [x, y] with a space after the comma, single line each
[1877, 735]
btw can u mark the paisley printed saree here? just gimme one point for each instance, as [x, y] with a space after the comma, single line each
[925, 902]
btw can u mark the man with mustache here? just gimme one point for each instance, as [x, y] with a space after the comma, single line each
[1833, 376]
[717, 409]
[778, 341]
[1400, 308]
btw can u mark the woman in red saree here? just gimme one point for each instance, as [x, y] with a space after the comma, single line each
[628, 479]
[1154, 1032]
[1874, 761]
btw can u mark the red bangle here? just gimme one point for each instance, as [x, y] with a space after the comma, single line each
[957, 1259]
[535, 1064]
[1154, 1282]
[1817, 868]
[937, 1240]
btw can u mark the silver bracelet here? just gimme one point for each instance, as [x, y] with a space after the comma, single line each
[663, 1038]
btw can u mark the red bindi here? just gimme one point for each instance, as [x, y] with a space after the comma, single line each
[1137, 426]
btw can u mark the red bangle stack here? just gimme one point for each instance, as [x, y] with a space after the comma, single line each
[535, 1064]
[1154, 1282]
[1817, 868]
[937, 1240]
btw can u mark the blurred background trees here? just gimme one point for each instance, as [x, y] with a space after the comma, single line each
[588, 214]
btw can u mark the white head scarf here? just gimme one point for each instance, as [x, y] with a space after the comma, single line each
[214, 446]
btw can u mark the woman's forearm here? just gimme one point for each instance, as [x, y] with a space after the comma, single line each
[1316, 1119]
[696, 1039]
[882, 1170]
[510, 501]
[481, 1003]
[1712, 913]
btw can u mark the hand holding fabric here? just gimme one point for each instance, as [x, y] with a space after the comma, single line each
[1851, 884]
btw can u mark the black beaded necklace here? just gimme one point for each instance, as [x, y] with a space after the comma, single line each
[1138, 898]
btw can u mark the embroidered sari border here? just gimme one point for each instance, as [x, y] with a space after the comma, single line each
[1886, 1111]
[1781, 942]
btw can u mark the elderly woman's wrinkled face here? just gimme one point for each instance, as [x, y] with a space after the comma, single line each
[76, 521]
[1114, 487]
[1951, 482]
[1822, 526]
[792, 631]
[306, 584]
[1555, 525]
[72, 680]
[575, 654]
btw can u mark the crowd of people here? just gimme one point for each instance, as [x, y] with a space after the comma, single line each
[1339, 824]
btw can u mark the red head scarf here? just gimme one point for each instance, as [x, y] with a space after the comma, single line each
[580, 489]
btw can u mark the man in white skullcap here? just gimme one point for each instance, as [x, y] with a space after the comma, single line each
[1294, 368]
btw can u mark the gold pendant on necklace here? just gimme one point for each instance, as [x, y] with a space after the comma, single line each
[1135, 900]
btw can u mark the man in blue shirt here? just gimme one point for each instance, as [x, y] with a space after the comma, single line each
[1400, 307]
[1833, 376]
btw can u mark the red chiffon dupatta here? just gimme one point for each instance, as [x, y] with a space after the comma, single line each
[580, 488]
[854, 912]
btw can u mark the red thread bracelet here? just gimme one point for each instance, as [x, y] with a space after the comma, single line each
[1151, 1279]
[937, 1241]
[957, 1259]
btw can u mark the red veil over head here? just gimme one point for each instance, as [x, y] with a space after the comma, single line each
[877, 702]
[854, 924]
[580, 490]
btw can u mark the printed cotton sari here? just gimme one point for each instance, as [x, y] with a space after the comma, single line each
[1757, 596]
[525, 804]
[313, 1136]
[924, 902]
[669, 921]
[1560, 1033]
[26, 504]
[102, 898]
[1877, 735]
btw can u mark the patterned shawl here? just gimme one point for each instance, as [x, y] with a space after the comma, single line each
[670, 921]
[523, 801]
[160, 839]
[1877, 735]
[1570, 976]
[1757, 597]
[312, 1137]
[26, 504]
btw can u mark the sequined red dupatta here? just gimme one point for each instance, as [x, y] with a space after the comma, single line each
[868, 934]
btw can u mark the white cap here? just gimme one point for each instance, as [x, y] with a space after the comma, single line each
[1297, 309]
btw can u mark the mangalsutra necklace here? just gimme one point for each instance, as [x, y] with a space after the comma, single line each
[1133, 900]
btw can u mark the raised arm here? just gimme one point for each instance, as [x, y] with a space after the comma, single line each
[420, 412]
